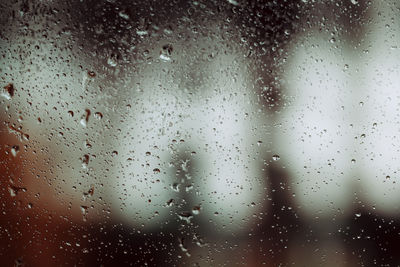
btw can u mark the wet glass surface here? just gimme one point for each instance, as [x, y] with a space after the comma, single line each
[199, 133]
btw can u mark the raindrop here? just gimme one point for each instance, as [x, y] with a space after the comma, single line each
[84, 210]
[91, 74]
[276, 157]
[123, 15]
[196, 210]
[14, 150]
[98, 115]
[185, 216]
[85, 119]
[112, 61]
[170, 202]
[14, 190]
[156, 170]
[9, 91]
[85, 161]
[166, 52]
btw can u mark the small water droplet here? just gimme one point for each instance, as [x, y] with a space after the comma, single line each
[170, 202]
[353, 161]
[14, 190]
[166, 52]
[14, 150]
[276, 157]
[188, 188]
[114, 153]
[196, 210]
[358, 215]
[71, 113]
[185, 216]
[361, 104]
[88, 145]
[91, 74]
[84, 210]
[112, 61]
[354, 2]
[233, 2]
[175, 187]
[156, 170]
[387, 177]
[85, 161]
[123, 15]
[85, 119]
[98, 115]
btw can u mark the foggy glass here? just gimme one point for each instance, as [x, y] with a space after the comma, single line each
[199, 133]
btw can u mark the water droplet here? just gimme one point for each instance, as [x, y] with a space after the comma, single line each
[276, 157]
[361, 104]
[85, 119]
[353, 161]
[14, 150]
[89, 193]
[85, 161]
[233, 2]
[196, 210]
[91, 74]
[156, 170]
[170, 202]
[148, 153]
[88, 145]
[84, 210]
[387, 177]
[189, 187]
[175, 187]
[98, 115]
[185, 216]
[9, 91]
[123, 15]
[354, 2]
[14, 190]
[71, 113]
[18, 132]
[166, 52]
[112, 61]
[358, 215]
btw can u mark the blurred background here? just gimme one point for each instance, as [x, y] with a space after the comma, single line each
[199, 133]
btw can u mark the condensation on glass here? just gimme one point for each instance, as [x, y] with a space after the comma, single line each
[199, 133]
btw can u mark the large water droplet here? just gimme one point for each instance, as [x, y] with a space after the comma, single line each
[9, 91]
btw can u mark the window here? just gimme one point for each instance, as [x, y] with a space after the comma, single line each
[205, 133]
